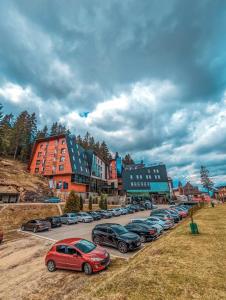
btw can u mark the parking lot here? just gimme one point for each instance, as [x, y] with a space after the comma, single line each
[84, 230]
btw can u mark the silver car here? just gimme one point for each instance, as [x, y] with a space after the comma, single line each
[165, 224]
[84, 217]
[69, 218]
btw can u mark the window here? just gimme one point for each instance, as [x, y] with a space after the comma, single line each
[71, 142]
[63, 142]
[157, 170]
[54, 168]
[80, 160]
[38, 162]
[138, 183]
[131, 183]
[71, 251]
[36, 170]
[141, 183]
[39, 154]
[137, 176]
[131, 176]
[63, 150]
[62, 158]
[72, 150]
[59, 185]
[141, 177]
[81, 168]
[41, 146]
[61, 249]
[61, 167]
[149, 171]
[135, 184]
[65, 185]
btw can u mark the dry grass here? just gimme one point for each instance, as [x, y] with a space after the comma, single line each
[177, 266]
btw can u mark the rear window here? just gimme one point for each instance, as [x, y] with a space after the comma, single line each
[119, 229]
[85, 246]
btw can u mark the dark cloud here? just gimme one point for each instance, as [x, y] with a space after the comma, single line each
[110, 58]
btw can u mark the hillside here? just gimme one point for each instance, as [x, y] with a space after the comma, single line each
[14, 177]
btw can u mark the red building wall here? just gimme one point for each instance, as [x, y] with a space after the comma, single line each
[46, 161]
[113, 170]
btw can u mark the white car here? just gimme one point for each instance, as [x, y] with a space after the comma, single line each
[84, 217]
[148, 222]
[69, 218]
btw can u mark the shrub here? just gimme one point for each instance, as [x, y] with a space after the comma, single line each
[72, 203]
[101, 202]
[90, 203]
[80, 203]
[105, 202]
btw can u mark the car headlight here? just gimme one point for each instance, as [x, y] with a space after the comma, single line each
[97, 259]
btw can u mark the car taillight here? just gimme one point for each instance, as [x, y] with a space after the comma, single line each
[152, 231]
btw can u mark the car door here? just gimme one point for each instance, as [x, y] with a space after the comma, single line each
[64, 218]
[111, 237]
[74, 259]
[31, 225]
[103, 235]
[61, 256]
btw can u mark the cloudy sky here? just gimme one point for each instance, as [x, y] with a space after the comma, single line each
[151, 74]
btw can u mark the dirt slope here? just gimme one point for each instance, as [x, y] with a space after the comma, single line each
[14, 176]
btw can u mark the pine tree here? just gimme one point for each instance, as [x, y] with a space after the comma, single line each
[207, 183]
[90, 203]
[6, 139]
[42, 133]
[105, 202]
[101, 202]
[80, 202]
[72, 203]
[127, 160]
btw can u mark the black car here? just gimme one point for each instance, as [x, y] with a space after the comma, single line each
[36, 225]
[54, 221]
[144, 231]
[117, 236]
[96, 216]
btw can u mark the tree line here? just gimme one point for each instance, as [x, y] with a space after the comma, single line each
[18, 134]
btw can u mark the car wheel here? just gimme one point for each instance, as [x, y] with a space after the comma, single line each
[51, 266]
[142, 239]
[87, 269]
[34, 229]
[83, 220]
[67, 223]
[96, 240]
[122, 247]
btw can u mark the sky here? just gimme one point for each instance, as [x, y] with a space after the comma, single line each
[148, 77]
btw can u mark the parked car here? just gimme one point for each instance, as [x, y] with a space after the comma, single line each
[180, 211]
[135, 208]
[165, 224]
[77, 254]
[1, 236]
[148, 205]
[114, 212]
[84, 217]
[69, 218]
[94, 215]
[115, 235]
[36, 225]
[54, 221]
[165, 212]
[123, 211]
[144, 231]
[175, 215]
[130, 209]
[158, 227]
[141, 208]
[164, 217]
[105, 214]
[52, 200]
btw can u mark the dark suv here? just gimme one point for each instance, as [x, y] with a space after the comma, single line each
[54, 221]
[115, 235]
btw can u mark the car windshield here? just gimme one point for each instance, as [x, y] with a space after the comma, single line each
[119, 229]
[85, 246]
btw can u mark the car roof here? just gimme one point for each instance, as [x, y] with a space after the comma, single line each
[70, 241]
[108, 224]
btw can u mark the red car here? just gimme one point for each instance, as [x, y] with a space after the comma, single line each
[77, 254]
[1, 236]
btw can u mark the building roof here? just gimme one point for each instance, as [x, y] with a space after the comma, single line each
[5, 189]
